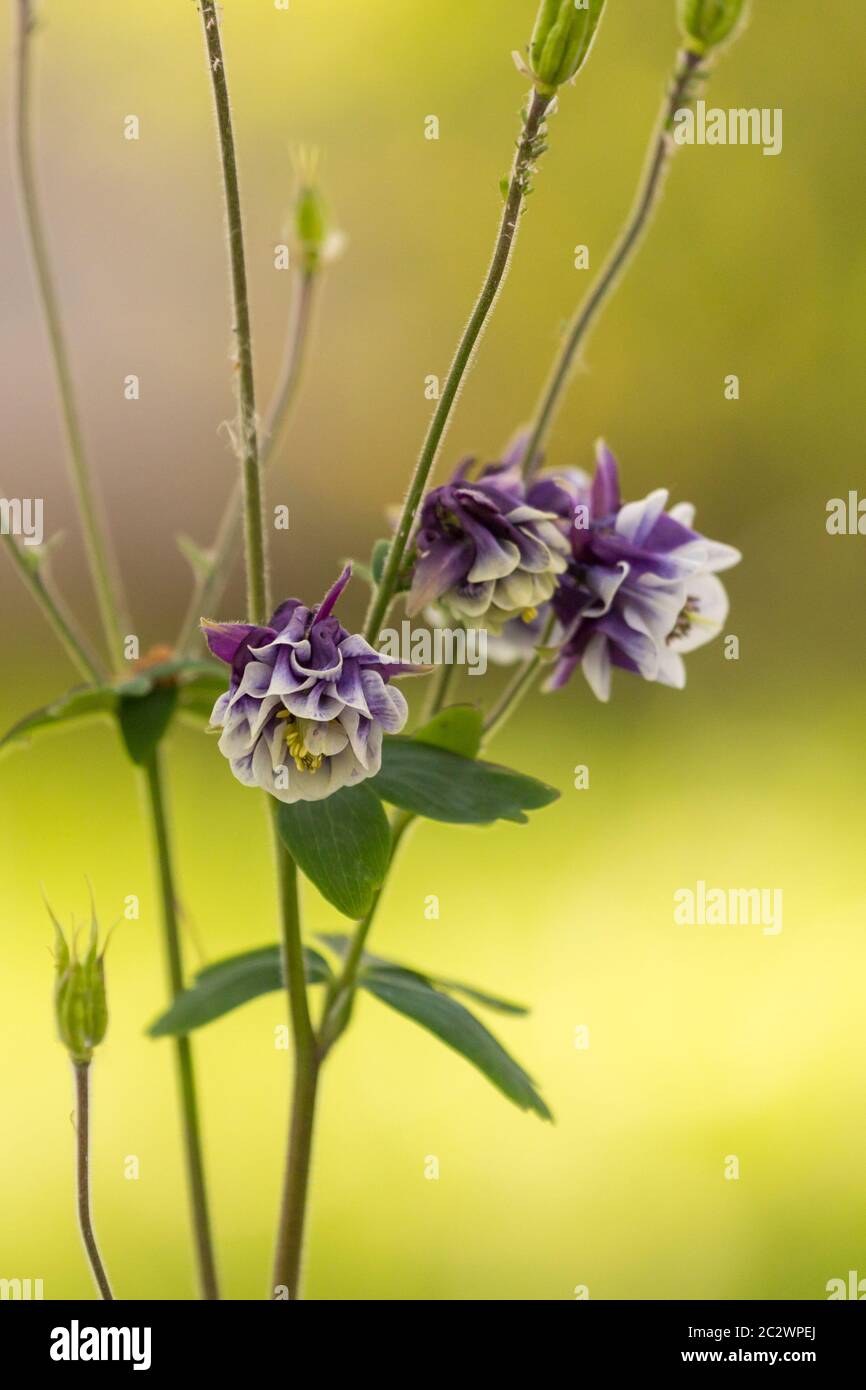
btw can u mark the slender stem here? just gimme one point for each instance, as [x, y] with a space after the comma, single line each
[248, 444]
[338, 1000]
[102, 567]
[290, 1231]
[55, 611]
[155, 798]
[652, 181]
[210, 584]
[519, 685]
[529, 149]
[81, 1073]
[439, 690]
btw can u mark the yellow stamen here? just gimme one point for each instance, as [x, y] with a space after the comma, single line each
[529, 615]
[304, 760]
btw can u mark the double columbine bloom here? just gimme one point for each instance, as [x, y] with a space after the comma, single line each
[641, 589]
[605, 583]
[308, 702]
[483, 552]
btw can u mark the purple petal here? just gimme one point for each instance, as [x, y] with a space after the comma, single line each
[605, 497]
[332, 595]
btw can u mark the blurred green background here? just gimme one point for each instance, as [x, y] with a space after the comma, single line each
[705, 1042]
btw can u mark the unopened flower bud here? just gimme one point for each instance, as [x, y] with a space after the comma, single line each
[708, 23]
[563, 35]
[80, 1006]
[315, 243]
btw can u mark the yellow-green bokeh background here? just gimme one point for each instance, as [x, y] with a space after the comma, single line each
[704, 1042]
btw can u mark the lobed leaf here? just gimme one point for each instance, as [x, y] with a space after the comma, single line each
[227, 984]
[441, 785]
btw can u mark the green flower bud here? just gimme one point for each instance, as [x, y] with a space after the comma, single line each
[563, 35]
[80, 1007]
[314, 242]
[707, 23]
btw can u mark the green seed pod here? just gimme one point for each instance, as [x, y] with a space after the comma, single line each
[707, 23]
[80, 1007]
[563, 35]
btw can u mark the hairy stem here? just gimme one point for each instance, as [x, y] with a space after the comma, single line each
[81, 1073]
[248, 442]
[529, 149]
[290, 1231]
[155, 799]
[55, 611]
[103, 570]
[652, 181]
[211, 583]
[287, 1261]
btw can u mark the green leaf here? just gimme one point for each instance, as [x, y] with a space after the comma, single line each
[457, 729]
[144, 719]
[441, 785]
[339, 944]
[377, 559]
[227, 984]
[196, 684]
[451, 1022]
[85, 702]
[342, 844]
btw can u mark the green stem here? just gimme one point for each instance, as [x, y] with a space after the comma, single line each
[290, 1231]
[287, 1261]
[55, 611]
[529, 149]
[209, 586]
[185, 1068]
[81, 1073]
[658, 158]
[519, 685]
[439, 691]
[338, 1000]
[248, 444]
[102, 568]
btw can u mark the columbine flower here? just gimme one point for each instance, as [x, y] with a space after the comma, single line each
[483, 553]
[308, 702]
[641, 589]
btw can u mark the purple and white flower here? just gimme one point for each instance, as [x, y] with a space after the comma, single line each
[641, 590]
[308, 702]
[483, 552]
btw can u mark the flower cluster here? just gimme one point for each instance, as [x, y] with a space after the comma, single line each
[637, 588]
[308, 702]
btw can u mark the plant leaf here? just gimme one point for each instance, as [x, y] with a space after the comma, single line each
[441, 785]
[377, 559]
[144, 719]
[85, 702]
[342, 844]
[457, 729]
[227, 984]
[454, 1025]
[339, 944]
[192, 676]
